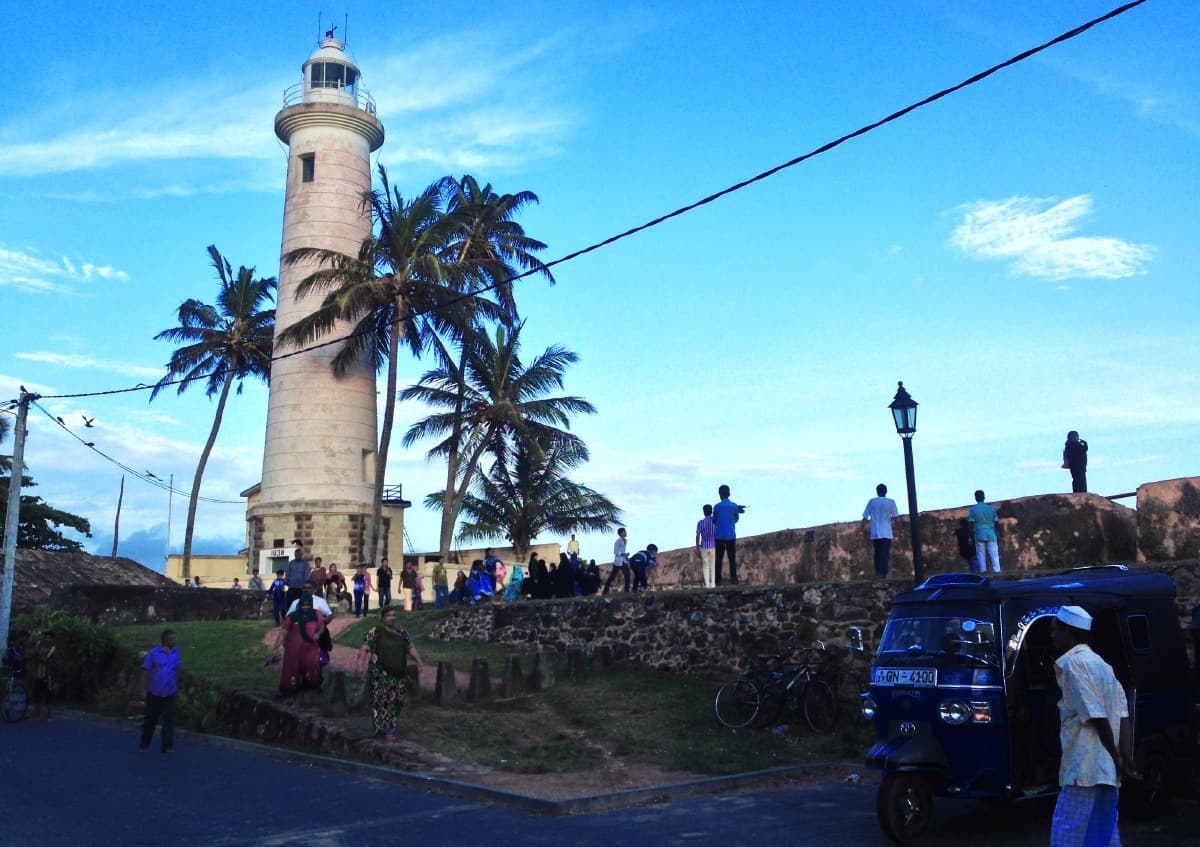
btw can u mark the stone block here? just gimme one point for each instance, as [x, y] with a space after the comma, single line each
[480, 686]
[576, 664]
[445, 690]
[511, 681]
[542, 676]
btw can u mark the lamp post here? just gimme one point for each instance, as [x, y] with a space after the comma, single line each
[904, 412]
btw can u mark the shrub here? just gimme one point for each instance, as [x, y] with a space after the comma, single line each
[84, 656]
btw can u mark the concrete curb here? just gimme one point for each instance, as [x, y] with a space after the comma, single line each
[529, 804]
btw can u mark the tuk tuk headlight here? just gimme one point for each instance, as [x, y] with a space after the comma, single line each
[957, 712]
[868, 707]
[954, 712]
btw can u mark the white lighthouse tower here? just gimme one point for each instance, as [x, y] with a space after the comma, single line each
[319, 457]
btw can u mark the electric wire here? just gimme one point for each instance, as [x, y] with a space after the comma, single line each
[824, 148]
[146, 477]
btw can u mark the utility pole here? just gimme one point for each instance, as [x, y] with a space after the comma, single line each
[13, 515]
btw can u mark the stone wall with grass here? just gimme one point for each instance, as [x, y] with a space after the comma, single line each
[711, 631]
[124, 604]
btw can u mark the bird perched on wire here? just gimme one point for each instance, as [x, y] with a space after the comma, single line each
[89, 444]
[61, 422]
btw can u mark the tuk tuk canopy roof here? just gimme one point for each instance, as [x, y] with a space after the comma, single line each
[1094, 586]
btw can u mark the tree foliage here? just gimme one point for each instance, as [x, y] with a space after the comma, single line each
[220, 345]
[39, 523]
[527, 492]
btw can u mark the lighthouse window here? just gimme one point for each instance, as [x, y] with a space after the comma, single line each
[331, 75]
[308, 167]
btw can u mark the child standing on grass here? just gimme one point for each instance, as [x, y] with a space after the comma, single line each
[42, 662]
[161, 691]
[278, 594]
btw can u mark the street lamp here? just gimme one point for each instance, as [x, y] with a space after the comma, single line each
[904, 412]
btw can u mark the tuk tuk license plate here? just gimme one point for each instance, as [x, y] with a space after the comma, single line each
[910, 677]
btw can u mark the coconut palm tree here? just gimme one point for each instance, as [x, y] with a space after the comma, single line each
[401, 287]
[221, 345]
[491, 248]
[527, 492]
[493, 400]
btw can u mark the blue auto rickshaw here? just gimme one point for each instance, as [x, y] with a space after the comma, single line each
[965, 703]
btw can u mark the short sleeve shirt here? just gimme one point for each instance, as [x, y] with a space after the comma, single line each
[983, 517]
[160, 667]
[880, 511]
[725, 515]
[1090, 690]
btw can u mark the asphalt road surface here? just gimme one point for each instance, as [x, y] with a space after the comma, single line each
[82, 783]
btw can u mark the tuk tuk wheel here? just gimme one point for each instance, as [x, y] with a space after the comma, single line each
[1150, 796]
[904, 806]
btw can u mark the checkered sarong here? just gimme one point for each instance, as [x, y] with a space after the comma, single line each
[1085, 817]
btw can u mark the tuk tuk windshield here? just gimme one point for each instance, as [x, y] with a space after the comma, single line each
[962, 636]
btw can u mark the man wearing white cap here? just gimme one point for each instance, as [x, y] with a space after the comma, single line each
[1094, 729]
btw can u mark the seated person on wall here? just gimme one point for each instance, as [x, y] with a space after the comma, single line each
[459, 593]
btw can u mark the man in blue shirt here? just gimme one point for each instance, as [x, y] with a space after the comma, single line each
[725, 515]
[639, 562]
[983, 518]
[162, 689]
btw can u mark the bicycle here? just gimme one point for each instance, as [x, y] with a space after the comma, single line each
[16, 700]
[779, 684]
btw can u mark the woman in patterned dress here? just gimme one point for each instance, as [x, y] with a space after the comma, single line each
[388, 690]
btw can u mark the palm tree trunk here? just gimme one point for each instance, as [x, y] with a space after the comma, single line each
[385, 435]
[449, 512]
[195, 495]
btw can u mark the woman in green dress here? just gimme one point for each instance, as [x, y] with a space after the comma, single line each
[384, 653]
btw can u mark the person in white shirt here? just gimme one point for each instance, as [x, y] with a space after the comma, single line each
[879, 513]
[1096, 737]
[620, 561]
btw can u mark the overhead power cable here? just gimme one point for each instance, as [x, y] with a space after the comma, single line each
[146, 476]
[824, 148]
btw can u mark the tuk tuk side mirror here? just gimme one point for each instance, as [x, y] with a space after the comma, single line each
[856, 639]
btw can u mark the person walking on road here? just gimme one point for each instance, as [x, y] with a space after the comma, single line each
[1094, 731]
[983, 518]
[383, 659]
[880, 512]
[162, 689]
[1075, 460]
[620, 561]
[725, 516]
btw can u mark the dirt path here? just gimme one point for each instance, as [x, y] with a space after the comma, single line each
[344, 657]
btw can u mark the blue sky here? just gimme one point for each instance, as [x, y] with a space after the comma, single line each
[1022, 254]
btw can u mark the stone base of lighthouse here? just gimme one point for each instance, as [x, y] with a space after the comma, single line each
[337, 531]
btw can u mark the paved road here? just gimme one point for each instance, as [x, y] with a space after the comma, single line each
[84, 784]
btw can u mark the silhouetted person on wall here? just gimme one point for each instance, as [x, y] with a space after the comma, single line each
[1075, 459]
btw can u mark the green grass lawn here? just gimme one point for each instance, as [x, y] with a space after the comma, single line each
[645, 715]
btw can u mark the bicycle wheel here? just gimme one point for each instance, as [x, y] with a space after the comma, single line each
[14, 703]
[820, 706]
[737, 703]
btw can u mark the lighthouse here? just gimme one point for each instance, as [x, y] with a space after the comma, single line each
[318, 470]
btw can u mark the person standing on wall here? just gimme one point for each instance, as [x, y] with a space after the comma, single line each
[725, 516]
[620, 561]
[880, 511]
[706, 546]
[1075, 460]
[573, 551]
[983, 518]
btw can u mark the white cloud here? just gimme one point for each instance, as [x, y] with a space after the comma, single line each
[498, 109]
[1036, 236]
[92, 363]
[29, 271]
